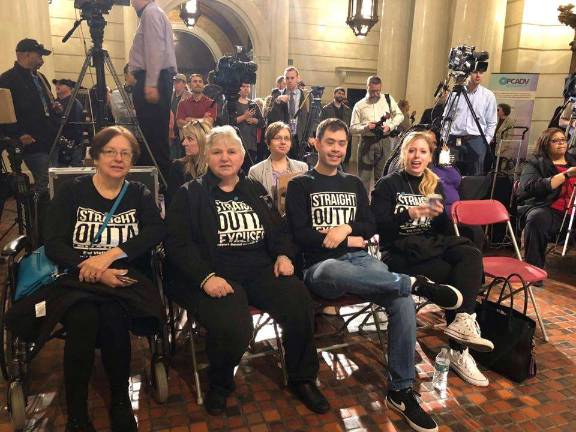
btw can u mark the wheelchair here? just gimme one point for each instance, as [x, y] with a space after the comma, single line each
[17, 355]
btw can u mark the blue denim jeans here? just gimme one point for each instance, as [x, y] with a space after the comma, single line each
[364, 275]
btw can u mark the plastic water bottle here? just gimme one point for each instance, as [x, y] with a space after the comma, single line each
[441, 366]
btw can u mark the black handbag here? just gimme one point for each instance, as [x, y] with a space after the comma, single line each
[512, 333]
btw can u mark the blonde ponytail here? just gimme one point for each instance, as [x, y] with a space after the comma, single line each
[428, 183]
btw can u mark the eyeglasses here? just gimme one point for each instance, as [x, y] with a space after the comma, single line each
[112, 154]
[558, 141]
[279, 138]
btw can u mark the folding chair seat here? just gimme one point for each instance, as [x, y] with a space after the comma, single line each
[489, 212]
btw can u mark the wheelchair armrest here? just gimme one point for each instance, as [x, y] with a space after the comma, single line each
[15, 246]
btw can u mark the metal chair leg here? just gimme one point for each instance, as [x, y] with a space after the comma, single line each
[537, 311]
[281, 353]
[199, 397]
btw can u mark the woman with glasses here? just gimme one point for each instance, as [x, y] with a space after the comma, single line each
[268, 171]
[103, 295]
[546, 185]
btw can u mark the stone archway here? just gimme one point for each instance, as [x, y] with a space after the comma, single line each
[203, 36]
[253, 20]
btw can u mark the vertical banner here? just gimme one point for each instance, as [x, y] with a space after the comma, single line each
[519, 91]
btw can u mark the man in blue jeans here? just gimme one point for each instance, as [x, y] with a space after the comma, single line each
[330, 218]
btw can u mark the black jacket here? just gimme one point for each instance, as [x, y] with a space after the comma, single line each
[535, 189]
[30, 114]
[279, 112]
[329, 111]
[192, 221]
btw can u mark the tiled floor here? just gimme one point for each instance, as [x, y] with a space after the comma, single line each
[353, 379]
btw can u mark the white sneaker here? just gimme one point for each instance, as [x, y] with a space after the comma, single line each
[465, 329]
[465, 366]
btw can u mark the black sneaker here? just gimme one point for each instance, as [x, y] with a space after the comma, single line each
[122, 417]
[76, 425]
[215, 402]
[404, 402]
[443, 295]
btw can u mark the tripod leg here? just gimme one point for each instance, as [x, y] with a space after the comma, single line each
[570, 223]
[70, 105]
[128, 102]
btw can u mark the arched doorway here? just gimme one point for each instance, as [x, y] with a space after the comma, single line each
[192, 54]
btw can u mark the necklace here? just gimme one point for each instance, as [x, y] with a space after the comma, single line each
[407, 179]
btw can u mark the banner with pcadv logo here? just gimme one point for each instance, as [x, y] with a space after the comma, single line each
[519, 91]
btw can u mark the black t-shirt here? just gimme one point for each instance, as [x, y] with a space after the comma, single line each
[241, 246]
[315, 202]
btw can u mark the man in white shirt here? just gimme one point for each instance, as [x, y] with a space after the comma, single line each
[374, 150]
[464, 130]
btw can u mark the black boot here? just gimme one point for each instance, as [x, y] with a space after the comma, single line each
[121, 415]
[77, 425]
[215, 402]
[311, 396]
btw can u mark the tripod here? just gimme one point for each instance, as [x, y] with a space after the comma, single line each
[99, 58]
[448, 120]
[26, 199]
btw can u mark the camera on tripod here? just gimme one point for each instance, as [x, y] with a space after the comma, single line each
[102, 5]
[570, 86]
[464, 59]
[231, 73]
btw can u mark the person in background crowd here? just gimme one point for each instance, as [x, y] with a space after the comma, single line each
[330, 218]
[546, 185]
[230, 249]
[153, 63]
[292, 107]
[375, 145]
[464, 127]
[181, 93]
[36, 125]
[504, 132]
[193, 164]
[121, 113]
[248, 120]
[338, 109]
[280, 86]
[73, 130]
[267, 172]
[417, 237]
[198, 107]
[104, 293]
[409, 117]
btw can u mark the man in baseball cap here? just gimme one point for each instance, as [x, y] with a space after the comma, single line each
[33, 103]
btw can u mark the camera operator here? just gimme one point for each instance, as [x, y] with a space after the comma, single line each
[36, 125]
[292, 107]
[280, 85]
[248, 120]
[73, 130]
[367, 116]
[464, 127]
[153, 63]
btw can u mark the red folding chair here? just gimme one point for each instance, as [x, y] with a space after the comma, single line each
[489, 212]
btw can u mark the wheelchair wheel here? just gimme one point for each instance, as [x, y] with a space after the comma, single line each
[17, 405]
[159, 381]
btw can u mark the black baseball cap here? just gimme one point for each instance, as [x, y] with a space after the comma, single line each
[65, 82]
[32, 45]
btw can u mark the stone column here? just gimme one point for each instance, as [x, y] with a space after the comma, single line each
[428, 52]
[130, 26]
[480, 24]
[278, 29]
[24, 19]
[394, 46]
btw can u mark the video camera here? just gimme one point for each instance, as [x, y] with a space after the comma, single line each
[570, 86]
[102, 5]
[464, 59]
[230, 73]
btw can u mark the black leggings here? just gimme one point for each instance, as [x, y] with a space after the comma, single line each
[229, 325]
[459, 266]
[541, 225]
[90, 325]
